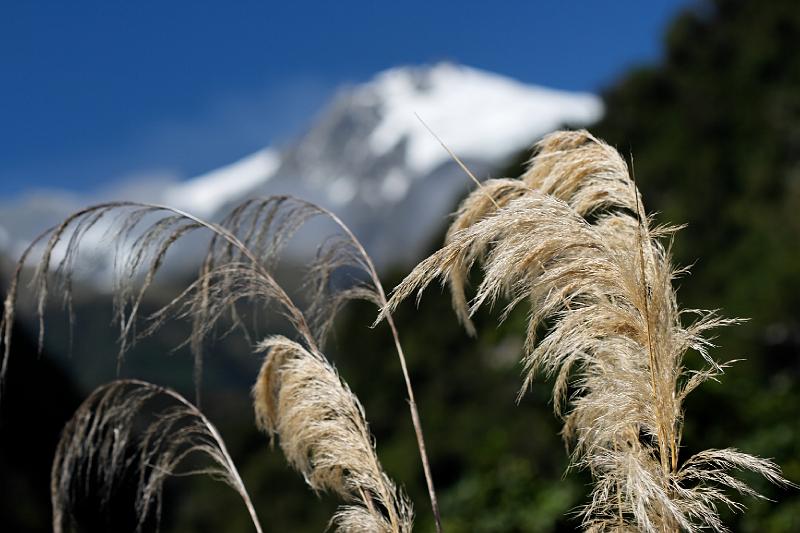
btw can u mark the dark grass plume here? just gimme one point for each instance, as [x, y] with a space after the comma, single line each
[570, 238]
[99, 446]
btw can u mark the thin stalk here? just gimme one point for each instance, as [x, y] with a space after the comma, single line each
[456, 159]
[666, 461]
[235, 473]
[412, 404]
[662, 437]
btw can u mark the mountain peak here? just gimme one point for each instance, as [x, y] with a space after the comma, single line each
[478, 114]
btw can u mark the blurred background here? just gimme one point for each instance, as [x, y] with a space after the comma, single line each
[202, 105]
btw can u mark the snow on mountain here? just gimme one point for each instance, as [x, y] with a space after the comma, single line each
[479, 115]
[206, 194]
[367, 157]
[370, 142]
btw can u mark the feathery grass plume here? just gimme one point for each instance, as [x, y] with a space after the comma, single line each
[571, 239]
[321, 427]
[243, 251]
[143, 234]
[98, 447]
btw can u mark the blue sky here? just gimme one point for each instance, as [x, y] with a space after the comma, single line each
[94, 92]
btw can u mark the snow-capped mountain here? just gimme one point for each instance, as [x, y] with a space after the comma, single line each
[368, 157]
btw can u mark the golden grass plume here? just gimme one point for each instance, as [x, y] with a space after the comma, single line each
[321, 427]
[571, 239]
